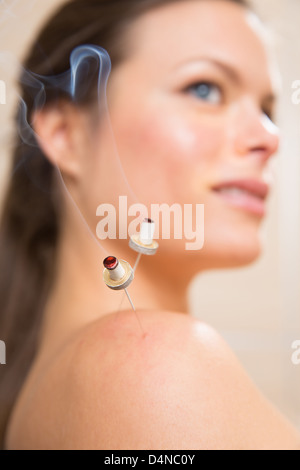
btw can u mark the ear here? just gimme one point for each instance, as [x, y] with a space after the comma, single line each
[59, 131]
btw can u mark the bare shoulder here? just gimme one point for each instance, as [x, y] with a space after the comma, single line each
[161, 380]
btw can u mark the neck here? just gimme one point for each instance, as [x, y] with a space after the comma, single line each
[79, 295]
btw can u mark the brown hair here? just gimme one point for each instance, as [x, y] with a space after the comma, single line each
[29, 229]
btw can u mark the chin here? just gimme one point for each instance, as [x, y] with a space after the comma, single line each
[240, 258]
[223, 249]
[212, 258]
[242, 253]
[231, 250]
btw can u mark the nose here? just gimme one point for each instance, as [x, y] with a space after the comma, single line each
[255, 134]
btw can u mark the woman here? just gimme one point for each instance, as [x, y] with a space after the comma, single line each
[190, 101]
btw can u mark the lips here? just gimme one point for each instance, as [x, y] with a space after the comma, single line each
[249, 195]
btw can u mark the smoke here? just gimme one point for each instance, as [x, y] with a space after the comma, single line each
[90, 68]
[88, 74]
[88, 65]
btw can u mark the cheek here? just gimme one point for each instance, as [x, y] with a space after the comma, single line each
[174, 154]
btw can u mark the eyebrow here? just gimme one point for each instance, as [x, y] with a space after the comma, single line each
[227, 69]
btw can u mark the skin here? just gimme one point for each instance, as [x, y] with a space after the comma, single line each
[188, 389]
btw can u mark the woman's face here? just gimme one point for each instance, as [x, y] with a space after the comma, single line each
[190, 109]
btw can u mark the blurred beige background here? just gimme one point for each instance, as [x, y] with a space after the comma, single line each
[256, 309]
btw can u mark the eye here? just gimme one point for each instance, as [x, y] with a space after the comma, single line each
[206, 91]
[269, 114]
[268, 107]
